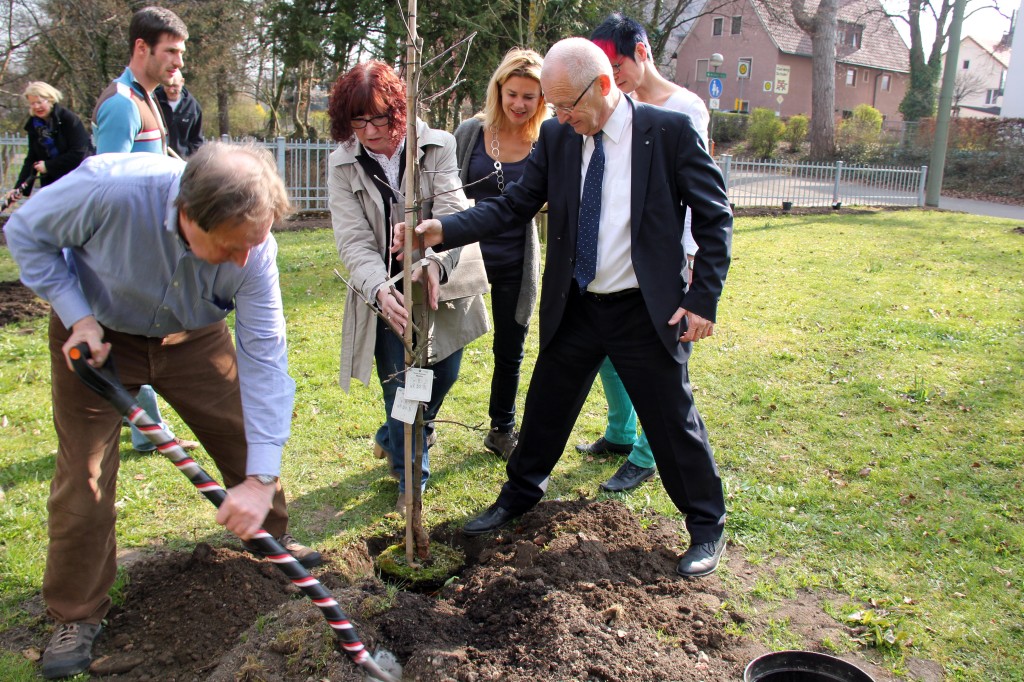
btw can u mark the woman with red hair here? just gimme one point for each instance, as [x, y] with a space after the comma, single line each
[366, 185]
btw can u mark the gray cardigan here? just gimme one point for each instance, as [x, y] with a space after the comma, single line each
[465, 137]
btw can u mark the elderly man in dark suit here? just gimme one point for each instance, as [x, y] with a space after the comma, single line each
[618, 176]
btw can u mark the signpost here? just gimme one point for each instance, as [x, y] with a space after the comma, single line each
[715, 91]
[781, 79]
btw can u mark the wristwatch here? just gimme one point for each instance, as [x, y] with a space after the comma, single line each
[265, 479]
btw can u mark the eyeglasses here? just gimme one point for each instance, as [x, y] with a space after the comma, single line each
[358, 123]
[568, 110]
[617, 65]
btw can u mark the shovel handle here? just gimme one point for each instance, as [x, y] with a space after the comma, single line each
[19, 189]
[104, 382]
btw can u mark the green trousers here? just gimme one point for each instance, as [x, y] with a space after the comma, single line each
[621, 428]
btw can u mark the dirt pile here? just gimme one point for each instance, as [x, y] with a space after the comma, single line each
[575, 591]
[18, 303]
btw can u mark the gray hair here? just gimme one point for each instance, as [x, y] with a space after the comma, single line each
[224, 185]
[581, 60]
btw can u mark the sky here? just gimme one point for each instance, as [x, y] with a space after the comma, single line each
[986, 25]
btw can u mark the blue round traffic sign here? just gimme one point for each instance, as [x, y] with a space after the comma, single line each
[715, 87]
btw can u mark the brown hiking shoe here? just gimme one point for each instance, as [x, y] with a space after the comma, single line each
[70, 650]
[501, 443]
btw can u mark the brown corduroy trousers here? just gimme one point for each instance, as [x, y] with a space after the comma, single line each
[196, 372]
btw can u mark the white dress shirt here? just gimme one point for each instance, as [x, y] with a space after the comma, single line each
[614, 241]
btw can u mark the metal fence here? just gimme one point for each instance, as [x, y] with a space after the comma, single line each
[12, 153]
[303, 165]
[772, 183]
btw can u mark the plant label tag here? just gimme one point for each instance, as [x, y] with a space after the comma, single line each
[404, 410]
[418, 384]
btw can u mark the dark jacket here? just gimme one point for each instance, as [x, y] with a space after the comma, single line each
[72, 142]
[670, 172]
[466, 136]
[184, 126]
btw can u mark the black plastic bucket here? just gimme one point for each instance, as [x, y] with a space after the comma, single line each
[802, 666]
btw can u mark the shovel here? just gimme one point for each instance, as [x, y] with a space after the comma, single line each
[19, 189]
[104, 382]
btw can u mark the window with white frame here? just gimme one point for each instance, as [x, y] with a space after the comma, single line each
[992, 95]
[967, 64]
[702, 71]
[737, 25]
[851, 77]
[716, 26]
[865, 75]
[886, 82]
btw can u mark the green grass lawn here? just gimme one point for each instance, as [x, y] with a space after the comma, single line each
[862, 391]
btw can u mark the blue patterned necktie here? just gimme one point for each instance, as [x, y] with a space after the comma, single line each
[590, 217]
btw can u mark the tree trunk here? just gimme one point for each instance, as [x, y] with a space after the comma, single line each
[223, 104]
[301, 101]
[821, 27]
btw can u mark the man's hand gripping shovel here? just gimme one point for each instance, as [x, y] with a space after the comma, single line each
[104, 381]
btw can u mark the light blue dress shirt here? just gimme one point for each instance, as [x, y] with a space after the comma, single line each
[103, 241]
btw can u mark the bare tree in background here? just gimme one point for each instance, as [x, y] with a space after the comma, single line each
[919, 102]
[967, 85]
[21, 31]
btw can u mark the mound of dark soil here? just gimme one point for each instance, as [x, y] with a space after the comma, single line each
[576, 591]
[18, 303]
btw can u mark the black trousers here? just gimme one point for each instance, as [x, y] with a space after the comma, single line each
[507, 347]
[620, 328]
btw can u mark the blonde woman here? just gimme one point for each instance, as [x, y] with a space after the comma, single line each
[57, 141]
[493, 148]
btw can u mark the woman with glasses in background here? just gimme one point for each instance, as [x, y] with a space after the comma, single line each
[494, 147]
[366, 185]
[57, 141]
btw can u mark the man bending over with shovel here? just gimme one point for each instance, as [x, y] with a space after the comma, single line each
[158, 253]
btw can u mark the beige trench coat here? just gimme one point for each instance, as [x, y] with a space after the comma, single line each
[361, 236]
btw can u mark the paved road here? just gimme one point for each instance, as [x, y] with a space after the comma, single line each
[987, 208]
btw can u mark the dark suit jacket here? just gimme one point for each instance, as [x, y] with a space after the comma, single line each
[670, 171]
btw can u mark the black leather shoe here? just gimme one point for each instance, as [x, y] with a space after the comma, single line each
[602, 446]
[494, 518]
[701, 559]
[627, 477]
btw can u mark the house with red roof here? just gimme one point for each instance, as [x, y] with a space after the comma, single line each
[767, 58]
